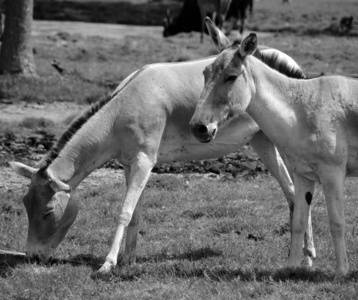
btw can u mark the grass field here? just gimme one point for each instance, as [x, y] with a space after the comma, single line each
[204, 240]
[200, 238]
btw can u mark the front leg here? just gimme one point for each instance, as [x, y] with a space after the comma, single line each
[132, 234]
[303, 191]
[139, 173]
[133, 227]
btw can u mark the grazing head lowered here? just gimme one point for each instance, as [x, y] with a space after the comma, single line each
[50, 210]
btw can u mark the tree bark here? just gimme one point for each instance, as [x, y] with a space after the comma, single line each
[16, 56]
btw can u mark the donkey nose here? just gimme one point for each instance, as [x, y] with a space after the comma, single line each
[200, 129]
[201, 132]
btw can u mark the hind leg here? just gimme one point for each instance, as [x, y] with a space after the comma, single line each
[303, 194]
[139, 173]
[277, 168]
[332, 180]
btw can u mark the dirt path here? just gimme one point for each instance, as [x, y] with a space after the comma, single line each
[56, 111]
[115, 31]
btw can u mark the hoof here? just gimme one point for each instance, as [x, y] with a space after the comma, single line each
[288, 271]
[309, 261]
[128, 260]
[341, 275]
[106, 268]
[309, 253]
[339, 278]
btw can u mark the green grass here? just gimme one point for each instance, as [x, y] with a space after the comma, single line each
[206, 240]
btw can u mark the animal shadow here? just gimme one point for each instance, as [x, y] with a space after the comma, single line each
[9, 262]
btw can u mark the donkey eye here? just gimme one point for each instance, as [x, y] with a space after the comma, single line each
[230, 78]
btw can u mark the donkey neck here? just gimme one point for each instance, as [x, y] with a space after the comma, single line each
[88, 149]
[273, 105]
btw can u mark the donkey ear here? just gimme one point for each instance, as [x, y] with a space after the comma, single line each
[59, 186]
[218, 37]
[56, 184]
[22, 169]
[248, 45]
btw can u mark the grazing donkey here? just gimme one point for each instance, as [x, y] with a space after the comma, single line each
[313, 122]
[144, 122]
[196, 8]
[237, 11]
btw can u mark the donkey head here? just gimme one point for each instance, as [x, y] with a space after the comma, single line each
[227, 91]
[50, 210]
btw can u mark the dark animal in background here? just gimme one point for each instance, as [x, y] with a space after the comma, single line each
[188, 19]
[218, 9]
[237, 11]
[346, 24]
[191, 16]
[2, 18]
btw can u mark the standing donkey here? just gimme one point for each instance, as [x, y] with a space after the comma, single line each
[217, 8]
[144, 122]
[313, 122]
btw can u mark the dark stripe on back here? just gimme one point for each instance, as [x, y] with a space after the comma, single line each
[75, 125]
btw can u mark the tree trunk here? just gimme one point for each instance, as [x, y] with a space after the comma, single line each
[16, 55]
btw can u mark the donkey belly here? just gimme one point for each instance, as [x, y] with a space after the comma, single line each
[179, 144]
[192, 150]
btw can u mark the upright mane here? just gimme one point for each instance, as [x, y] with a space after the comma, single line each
[280, 62]
[75, 125]
[276, 60]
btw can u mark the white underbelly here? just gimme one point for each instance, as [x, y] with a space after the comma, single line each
[185, 150]
[180, 144]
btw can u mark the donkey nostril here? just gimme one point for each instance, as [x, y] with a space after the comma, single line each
[214, 132]
[201, 129]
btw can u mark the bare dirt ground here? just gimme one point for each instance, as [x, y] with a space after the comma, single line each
[112, 31]
[56, 111]
[115, 31]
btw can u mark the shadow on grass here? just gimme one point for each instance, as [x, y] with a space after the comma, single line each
[186, 265]
[9, 262]
[88, 260]
[222, 274]
[182, 270]
[193, 264]
[194, 255]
